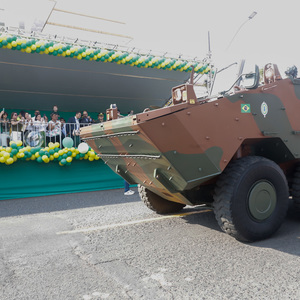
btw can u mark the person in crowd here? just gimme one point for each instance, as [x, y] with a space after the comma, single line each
[21, 115]
[54, 130]
[63, 128]
[73, 128]
[55, 110]
[100, 118]
[27, 127]
[5, 125]
[85, 120]
[4, 128]
[16, 127]
[39, 128]
[36, 112]
[127, 190]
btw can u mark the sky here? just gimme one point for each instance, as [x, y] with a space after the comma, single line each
[181, 27]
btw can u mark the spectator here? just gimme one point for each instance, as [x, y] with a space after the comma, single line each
[63, 128]
[86, 119]
[5, 126]
[37, 112]
[54, 130]
[127, 190]
[39, 128]
[16, 127]
[100, 118]
[55, 110]
[21, 115]
[27, 128]
[73, 127]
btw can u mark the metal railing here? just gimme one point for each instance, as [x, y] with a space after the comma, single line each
[39, 134]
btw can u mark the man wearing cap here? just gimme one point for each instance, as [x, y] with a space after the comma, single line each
[100, 118]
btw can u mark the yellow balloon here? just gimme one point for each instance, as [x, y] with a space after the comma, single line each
[79, 56]
[37, 154]
[68, 52]
[86, 156]
[83, 54]
[32, 157]
[6, 155]
[14, 43]
[15, 158]
[51, 49]
[51, 157]
[44, 157]
[69, 159]
[21, 154]
[33, 47]
[28, 50]
[10, 160]
[91, 158]
[2, 159]
[60, 152]
[97, 157]
[56, 155]
[8, 149]
[91, 153]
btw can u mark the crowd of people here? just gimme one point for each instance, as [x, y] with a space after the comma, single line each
[41, 129]
[38, 130]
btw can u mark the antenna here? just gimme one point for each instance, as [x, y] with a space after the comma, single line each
[209, 50]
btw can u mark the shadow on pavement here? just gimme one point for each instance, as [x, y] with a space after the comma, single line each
[35, 205]
[286, 239]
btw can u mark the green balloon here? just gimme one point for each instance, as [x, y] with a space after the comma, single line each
[68, 142]
[14, 151]
[39, 159]
[63, 161]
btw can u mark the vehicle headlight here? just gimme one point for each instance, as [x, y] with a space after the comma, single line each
[177, 94]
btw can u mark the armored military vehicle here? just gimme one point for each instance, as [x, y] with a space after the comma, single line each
[237, 152]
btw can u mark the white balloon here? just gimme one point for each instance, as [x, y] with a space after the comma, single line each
[83, 147]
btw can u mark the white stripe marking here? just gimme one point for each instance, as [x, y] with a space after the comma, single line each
[110, 226]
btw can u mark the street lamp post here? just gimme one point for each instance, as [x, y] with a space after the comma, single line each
[249, 18]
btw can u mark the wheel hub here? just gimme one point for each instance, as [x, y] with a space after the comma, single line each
[262, 200]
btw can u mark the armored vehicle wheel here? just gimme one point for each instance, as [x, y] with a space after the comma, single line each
[157, 203]
[296, 189]
[251, 198]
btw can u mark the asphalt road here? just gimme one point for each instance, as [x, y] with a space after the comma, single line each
[104, 245]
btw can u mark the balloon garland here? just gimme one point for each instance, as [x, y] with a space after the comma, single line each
[15, 151]
[33, 45]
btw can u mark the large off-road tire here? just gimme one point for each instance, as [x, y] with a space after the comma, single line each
[251, 198]
[157, 203]
[295, 191]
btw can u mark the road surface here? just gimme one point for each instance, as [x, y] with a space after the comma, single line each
[104, 245]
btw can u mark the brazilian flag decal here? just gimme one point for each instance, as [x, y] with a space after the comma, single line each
[245, 108]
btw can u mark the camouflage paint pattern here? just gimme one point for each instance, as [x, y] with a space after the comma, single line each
[177, 148]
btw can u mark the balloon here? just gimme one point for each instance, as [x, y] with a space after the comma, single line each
[83, 147]
[67, 142]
